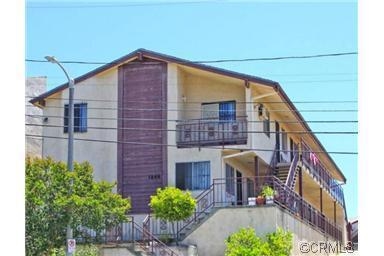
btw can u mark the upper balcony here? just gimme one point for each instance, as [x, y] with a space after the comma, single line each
[320, 174]
[211, 132]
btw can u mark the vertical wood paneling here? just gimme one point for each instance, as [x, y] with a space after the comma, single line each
[142, 156]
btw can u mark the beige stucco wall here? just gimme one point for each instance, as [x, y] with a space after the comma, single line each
[200, 89]
[262, 141]
[102, 156]
[211, 234]
[176, 89]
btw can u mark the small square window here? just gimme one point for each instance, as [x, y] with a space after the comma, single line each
[79, 117]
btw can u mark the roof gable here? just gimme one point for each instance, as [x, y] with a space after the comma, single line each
[141, 53]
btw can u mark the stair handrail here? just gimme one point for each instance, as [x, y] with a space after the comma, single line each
[198, 210]
[292, 170]
[152, 239]
[147, 223]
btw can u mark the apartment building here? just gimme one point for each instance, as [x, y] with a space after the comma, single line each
[150, 120]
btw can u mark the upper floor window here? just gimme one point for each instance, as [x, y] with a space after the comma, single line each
[264, 114]
[225, 110]
[193, 175]
[79, 117]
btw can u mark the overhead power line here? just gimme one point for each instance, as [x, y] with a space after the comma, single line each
[291, 82]
[199, 110]
[169, 145]
[292, 74]
[114, 4]
[177, 120]
[199, 102]
[339, 54]
[140, 129]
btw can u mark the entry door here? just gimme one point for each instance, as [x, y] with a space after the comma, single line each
[291, 148]
[239, 188]
[277, 129]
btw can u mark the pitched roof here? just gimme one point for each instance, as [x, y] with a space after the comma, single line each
[140, 53]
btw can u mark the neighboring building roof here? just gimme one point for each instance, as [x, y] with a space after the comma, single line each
[140, 53]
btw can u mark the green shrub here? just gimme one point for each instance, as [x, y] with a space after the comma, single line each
[81, 250]
[246, 243]
[280, 242]
[172, 204]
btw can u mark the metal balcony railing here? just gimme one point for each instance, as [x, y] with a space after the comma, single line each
[320, 173]
[207, 132]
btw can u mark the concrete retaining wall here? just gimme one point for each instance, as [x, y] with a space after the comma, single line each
[210, 236]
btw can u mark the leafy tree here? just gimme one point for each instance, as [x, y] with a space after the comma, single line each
[280, 242]
[246, 243]
[172, 204]
[51, 201]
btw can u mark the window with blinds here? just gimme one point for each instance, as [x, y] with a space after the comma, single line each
[219, 111]
[193, 175]
[79, 117]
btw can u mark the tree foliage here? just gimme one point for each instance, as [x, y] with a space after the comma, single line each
[172, 204]
[51, 201]
[245, 242]
[280, 242]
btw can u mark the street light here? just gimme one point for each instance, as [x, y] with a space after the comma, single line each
[71, 83]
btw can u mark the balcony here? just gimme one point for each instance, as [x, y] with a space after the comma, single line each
[211, 132]
[236, 192]
[320, 174]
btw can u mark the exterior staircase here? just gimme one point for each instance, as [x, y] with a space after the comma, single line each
[281, 171]
[195, 224]
[287, 172]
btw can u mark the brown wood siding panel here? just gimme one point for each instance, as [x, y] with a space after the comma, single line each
[120, 132]
[142, 168]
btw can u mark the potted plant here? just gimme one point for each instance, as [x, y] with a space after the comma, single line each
[260, 199]
[268, 193]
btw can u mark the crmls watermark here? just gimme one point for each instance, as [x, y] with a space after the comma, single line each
[325, 247]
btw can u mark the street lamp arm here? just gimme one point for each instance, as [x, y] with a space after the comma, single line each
[55, 61]
[70, 80]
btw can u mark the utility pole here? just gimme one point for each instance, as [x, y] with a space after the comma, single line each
[71, 88]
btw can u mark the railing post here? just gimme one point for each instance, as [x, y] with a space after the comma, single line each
[222, 136]
[199, 131]
[132, 232]
[177, 233]
[151, 241]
